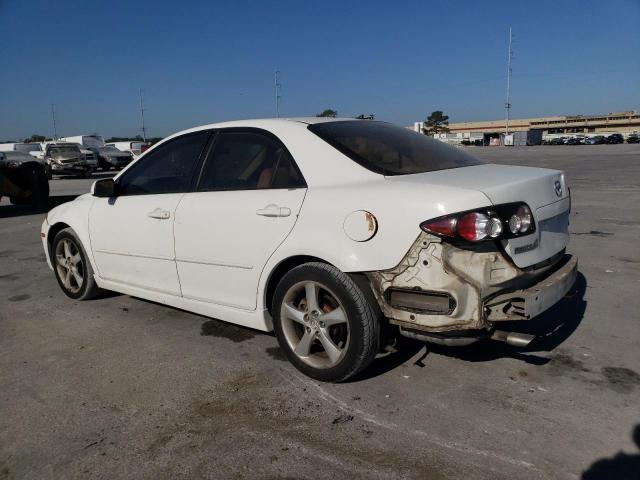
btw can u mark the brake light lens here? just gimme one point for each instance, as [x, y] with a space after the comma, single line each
[473, 226]
[443, 227]
[484, 224]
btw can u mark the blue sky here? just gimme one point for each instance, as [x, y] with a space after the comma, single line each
[204, 61]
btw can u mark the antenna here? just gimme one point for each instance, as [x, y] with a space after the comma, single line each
[144, 131]
[507, 104]
[277, 85]
[53, 117]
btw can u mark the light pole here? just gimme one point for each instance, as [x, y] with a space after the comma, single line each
[507, 104]
[276, 82]
[53, 118]
[144, 131]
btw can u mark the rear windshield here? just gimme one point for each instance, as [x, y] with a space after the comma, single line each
[93, 141]
[390, 150]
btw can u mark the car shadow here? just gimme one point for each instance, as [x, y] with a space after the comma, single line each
[621, 466]
[551, 329]
[8, 211]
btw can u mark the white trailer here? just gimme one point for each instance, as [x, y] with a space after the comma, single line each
[91, 142]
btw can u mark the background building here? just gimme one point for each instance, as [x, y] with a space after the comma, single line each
[622, 122]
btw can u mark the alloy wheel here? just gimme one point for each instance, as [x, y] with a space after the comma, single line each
[314, 324]
[69, 265]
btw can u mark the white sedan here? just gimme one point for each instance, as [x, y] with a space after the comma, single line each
[328, 231]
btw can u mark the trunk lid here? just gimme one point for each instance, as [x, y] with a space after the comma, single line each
[544, 190]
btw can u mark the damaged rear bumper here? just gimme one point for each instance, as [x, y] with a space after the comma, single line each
[527, 303]
[444, 291]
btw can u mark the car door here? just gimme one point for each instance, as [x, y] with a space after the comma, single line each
[247, 201]
[132, 233]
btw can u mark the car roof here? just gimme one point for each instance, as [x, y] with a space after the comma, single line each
[266, 123]
[318, 160]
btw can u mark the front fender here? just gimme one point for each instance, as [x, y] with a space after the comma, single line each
[75, 214]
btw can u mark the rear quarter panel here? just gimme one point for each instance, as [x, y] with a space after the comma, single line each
[399, 210]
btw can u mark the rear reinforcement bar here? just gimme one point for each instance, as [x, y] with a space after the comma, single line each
[530, 302]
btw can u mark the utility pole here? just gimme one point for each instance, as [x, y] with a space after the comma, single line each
[277, 86]
[144, 131]
[53, 117]
[507, 104]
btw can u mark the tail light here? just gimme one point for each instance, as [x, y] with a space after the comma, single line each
[144, 148]
[499, 222]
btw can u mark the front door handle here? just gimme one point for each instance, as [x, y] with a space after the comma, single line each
[274, 211]
[159, 213]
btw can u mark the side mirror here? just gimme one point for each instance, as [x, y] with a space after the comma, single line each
[104, 188]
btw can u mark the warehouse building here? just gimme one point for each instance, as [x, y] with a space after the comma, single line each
[622, 122]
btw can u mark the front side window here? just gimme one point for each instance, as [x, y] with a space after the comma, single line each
[168, 169]
[249, 161]
[390, 150]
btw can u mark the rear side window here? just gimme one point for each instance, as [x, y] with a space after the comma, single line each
[168, 169]
[390, 150]
[249, 161]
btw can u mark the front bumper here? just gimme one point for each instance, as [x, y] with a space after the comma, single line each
[74, 169]
[118, 161]
[525, 304]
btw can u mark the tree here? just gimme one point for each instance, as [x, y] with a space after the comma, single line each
[436, 123]
[328, 113]
[35, 139]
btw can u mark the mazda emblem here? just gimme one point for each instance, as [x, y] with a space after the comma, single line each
[558, 187]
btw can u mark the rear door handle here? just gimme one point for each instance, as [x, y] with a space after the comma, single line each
[274, 211]
[159, 213]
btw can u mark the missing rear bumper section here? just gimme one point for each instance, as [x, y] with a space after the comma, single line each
[454, 295]
[527, 303]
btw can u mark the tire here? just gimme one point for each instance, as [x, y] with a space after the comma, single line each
[72, 288]
[332, 339]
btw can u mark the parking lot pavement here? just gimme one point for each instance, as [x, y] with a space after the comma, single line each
[121, 387]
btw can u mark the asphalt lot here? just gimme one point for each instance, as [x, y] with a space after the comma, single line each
[123, 388]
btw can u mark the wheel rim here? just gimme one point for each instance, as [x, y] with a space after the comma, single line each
[314, 324]
[69, 265]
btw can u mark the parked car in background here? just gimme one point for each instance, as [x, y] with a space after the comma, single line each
[558, 141]
[90, 158]
[65, 158]
[336, 233]
[33, 149]
[134, 146]
[595, 140]
[111, 157]
[23, 179]
[615, 138]
[633, 138]
[572, 141]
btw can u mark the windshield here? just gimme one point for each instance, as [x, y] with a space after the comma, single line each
[93, 141]
[390, 150]
[28, 147]
[63, 150]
